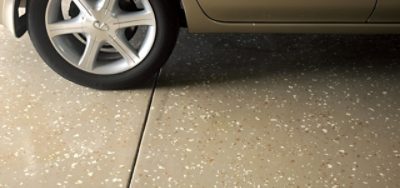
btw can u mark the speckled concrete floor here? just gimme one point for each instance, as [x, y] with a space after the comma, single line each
[234, 111]
[57, 134]
[275, 111]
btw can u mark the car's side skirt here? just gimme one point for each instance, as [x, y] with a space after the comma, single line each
[198, 22]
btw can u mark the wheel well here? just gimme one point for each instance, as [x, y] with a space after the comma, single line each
[181, 14]
[177, 5]
[20, 21]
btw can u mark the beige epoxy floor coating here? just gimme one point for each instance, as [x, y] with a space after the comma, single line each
[57, 134]
[275, 111]
[228, 111]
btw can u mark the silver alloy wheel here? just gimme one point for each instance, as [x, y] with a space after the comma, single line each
[102, 23]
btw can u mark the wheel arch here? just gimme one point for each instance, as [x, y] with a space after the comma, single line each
[182, 14]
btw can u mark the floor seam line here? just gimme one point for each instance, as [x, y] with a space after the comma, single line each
[146, 118]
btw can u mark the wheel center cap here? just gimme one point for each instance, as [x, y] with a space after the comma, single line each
[101, 26]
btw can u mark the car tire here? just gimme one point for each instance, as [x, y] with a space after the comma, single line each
[167, 29]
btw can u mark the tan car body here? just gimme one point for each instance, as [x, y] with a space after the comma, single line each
[365, 16]
[268, 16]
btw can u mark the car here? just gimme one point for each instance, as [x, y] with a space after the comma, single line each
[120, 44]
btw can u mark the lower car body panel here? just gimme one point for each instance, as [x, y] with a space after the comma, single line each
[387, 11]
[199, 22]
[283, 11]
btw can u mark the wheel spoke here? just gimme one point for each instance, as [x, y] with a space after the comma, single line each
[65, 27]
[89, 56]
[84, 7]
[107, 7]
[125, 49]
[143, 17]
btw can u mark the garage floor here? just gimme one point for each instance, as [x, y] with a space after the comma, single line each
[233, 110]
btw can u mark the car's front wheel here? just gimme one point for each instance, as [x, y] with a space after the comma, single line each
[104, 44]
